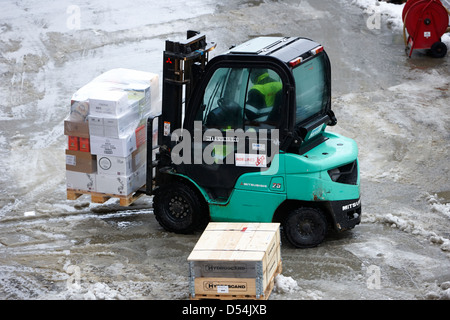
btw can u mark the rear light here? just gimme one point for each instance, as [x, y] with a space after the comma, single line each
[295, 62]
[317, 50]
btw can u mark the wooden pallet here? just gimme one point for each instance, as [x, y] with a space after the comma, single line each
[125, 201]
[265, 296]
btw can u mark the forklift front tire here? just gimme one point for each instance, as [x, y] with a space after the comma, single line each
[305, 227]
[179, 209]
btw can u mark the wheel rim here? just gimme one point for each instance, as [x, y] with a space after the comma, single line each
[306, 228]
[178, 208]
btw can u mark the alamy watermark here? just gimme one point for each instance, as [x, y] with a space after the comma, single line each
[73, 21]
[373, 22]
[73, 282]
[374, 277]
[248, 148]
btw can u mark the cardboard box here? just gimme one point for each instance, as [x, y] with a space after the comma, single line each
[79, 110]
[122, 166]
[121, 185]
[114, 126]
[73, 143]
[84, 145]
[96, 125]
[139, 84]
[235, 259]
[108, 102]
[76, 128]
[141, 135]
[81, 181]
[141, 98]
[118, 147]
[80, 161]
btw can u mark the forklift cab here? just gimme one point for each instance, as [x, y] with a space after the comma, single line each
[273, 102]
[250, 143]
[264, 83]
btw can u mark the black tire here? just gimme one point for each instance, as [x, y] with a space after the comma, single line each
[438, 50]
[305, 227]
[178, 208]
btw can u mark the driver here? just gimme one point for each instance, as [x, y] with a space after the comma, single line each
[263, 95]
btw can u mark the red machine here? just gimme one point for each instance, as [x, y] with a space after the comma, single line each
[425, 21]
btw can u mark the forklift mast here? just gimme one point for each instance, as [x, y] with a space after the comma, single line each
[182, 64]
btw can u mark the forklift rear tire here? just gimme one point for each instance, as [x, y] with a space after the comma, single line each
[179, 209]
[305, 227]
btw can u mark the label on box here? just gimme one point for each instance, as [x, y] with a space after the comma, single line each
[119, 147]
[104, 163]
[71, 160]
[235, 269]
[214, 284]
[80, 161]
[108, 148]
[222, 289]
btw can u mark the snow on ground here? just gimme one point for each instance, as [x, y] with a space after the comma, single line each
[392, 12]
[408, 151]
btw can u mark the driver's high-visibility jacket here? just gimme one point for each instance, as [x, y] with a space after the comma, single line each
[267, 88]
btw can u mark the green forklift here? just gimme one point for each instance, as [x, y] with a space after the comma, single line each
[242, 138]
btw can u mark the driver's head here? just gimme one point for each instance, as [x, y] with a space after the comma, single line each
[256, 73]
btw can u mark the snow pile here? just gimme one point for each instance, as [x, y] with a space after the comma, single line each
[418, 223]
[98, 291]
[287, 285]
[437, 206]
[392, 12]
[121, 290]
[439, 292]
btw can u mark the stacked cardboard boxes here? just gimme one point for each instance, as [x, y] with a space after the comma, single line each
[106, 131]
[235, 261]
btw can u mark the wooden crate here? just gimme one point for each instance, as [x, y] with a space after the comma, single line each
[235, 261]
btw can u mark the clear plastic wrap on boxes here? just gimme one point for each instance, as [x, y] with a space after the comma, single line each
[140, 86]
[115, 124]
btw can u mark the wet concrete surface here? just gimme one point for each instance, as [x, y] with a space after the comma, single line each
[394, 107]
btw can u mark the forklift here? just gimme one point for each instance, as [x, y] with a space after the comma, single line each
[241, 138]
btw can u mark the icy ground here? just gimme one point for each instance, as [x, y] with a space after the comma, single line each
[397, 109]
